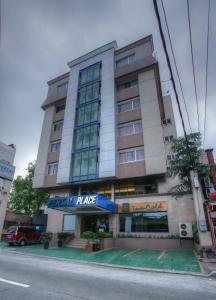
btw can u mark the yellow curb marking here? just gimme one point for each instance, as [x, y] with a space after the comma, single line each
[161, 255]
[131, 252]
[200, 265]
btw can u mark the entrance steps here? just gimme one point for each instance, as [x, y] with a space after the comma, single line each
[77, 243]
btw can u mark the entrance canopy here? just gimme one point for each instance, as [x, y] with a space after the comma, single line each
[82, 204]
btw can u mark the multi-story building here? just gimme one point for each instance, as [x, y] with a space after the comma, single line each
[7, 153]
[105, 146]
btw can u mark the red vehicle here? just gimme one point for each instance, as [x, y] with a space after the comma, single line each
[22, 235]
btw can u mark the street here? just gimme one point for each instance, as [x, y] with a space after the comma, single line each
[24, 277]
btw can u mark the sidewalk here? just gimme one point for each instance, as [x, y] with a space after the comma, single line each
[173, 260]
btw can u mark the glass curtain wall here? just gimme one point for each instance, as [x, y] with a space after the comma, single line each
[87, 126]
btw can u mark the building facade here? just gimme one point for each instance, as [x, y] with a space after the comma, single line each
[7, 153]
[105, 146]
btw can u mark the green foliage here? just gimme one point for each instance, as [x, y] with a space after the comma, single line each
[90, 235]
[64, 235]
[103, 235]
[195, 233]
[24, 198]
[46, 236]
[184, 163]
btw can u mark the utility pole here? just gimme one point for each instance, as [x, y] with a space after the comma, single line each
[204, 234]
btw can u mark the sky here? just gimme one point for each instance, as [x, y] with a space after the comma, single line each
[39, 37]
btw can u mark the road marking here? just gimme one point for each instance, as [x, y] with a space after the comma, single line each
[200, 265]
[131, 252]
[107, 249]
[14, 283]
[161, 255]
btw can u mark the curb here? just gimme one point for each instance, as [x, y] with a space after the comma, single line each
[82, 262]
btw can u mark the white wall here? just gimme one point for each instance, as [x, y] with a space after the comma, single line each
[104, 54]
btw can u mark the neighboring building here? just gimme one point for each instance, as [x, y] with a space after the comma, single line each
[106, 135]
[7, 153]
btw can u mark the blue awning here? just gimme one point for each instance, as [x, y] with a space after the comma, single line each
[82, 204]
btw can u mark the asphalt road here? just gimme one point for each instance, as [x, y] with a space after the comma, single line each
[43, 278]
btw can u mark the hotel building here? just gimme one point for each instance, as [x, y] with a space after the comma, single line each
[105, 146]
[7, 154]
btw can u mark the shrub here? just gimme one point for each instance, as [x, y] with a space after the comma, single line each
[64, 235]
[103, 235]
[46, 236]
[89, 235]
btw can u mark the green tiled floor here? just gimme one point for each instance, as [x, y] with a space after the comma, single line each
[179, 260]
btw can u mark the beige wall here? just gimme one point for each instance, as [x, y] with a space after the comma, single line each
[41, 164]
[128, 116]
[154, 149]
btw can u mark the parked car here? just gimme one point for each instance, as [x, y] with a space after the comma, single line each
[22, 235]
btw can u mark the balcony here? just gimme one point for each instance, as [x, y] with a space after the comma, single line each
[50, 181]
[136, 66]
[127, 93]
[59, 116]
[130, 141]
[52, 157]
[133, 169]
[131, 115]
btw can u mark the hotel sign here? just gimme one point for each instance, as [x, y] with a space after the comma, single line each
[144, 206]
[6, 171]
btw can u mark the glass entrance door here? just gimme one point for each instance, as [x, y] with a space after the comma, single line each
[95, 223]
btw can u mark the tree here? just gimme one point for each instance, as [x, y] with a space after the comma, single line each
[24, 198]
[185, 161]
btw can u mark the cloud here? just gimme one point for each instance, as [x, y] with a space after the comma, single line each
[38, 38]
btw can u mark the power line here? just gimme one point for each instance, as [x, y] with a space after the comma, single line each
[206, 75]
[192, 57]
[171, 75]
[174, 59]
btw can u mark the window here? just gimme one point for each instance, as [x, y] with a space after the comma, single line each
[170, 156]
[127, 189]
[130, 128]
[127, 84]
[125, 61]
[166, 121]
[60, 108]
[55, 147]
[132, 155]
[129, 105]
[85, 165]
[144, 222]
[88, 113]
[86, 137]
[89, 74]
[52, 169]
[168, 139]
[62, 88]
[58, 126]
[89, 93]
[69, 222]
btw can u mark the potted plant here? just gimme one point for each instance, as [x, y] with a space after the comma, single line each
[63, 237]
[90, 236]
[101, 235]
[46, 237]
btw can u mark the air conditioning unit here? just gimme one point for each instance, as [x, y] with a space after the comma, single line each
[185, 230]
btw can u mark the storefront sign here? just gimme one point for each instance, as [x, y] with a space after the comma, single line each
[85, 200]
[144, 206]
[81, 202]
[6, 171]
